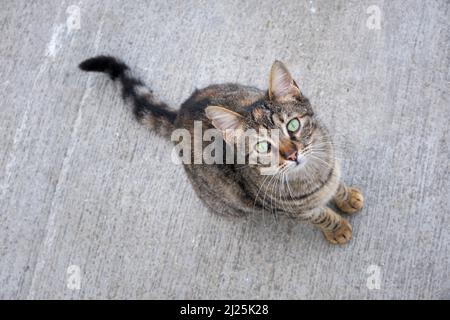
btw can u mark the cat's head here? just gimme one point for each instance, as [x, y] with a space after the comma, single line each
[299, 141]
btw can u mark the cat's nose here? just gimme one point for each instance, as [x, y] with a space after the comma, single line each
[293, 156]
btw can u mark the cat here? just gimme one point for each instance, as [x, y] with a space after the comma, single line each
[307, 176]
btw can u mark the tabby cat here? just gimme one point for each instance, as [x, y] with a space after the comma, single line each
[308, 175]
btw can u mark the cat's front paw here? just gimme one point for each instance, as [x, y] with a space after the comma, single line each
[342, 235]
[353, 203]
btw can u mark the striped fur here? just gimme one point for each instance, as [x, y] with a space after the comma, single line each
[149, 111]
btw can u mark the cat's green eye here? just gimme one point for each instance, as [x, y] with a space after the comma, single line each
[293, 125]
[262, 147]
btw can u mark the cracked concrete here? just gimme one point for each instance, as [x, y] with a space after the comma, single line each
[83, 185]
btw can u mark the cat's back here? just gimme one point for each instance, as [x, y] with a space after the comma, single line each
[235, 97]
[220, 186]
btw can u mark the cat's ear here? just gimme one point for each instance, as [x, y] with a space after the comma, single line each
[229, 122]
[281, 84]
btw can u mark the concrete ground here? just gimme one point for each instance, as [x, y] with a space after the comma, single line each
[92, 206]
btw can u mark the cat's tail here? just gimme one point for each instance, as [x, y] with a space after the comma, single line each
[149, 111]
